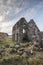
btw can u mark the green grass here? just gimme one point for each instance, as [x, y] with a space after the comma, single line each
[21, 60]
[16, 59]
[7, 42]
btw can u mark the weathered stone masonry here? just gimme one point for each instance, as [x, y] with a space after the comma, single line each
[23, 31]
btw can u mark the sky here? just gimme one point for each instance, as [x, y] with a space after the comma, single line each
[12, 10]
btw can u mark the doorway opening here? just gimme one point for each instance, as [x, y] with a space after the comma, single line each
[25, 36]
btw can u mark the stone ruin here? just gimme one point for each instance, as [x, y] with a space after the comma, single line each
[24, 31]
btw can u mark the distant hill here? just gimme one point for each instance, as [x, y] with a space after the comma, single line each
[3, 37]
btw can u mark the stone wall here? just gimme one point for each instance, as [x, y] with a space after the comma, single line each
[23, 30]
[18, 30]
[34, 32]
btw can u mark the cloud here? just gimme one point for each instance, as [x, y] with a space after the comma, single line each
[13, 10]
[1, 18]
[6, 27]
[9, 8]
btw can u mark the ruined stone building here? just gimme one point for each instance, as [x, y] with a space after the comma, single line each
[26, 31]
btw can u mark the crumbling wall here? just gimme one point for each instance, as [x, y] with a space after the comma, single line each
[31, 31]
[34, 32]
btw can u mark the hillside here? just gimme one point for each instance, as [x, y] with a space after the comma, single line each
[5, 39]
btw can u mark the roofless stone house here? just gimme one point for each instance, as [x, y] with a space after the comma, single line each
[20, 30]
[26, 31]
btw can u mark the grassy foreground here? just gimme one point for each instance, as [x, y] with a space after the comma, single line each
[9, 58]
[22, 60]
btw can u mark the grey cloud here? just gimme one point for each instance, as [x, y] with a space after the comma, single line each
[13, 6]
[12, 10]
[9, 8]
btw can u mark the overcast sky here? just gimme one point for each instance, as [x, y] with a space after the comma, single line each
[12, 10]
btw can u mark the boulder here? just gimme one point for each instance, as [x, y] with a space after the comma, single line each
[17, 46]
[20, 52]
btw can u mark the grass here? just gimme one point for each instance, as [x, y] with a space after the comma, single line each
[16, 59]
[22, 60]
[7, 42]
